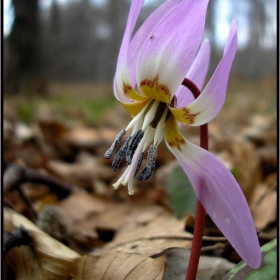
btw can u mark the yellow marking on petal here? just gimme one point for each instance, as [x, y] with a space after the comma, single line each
[183, 115]
[173, 136]
[132, 94]
[154, 90]
[135, 108]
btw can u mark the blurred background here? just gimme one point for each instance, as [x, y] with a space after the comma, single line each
[74, 41]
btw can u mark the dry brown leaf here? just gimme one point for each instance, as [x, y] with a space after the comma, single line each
[81, 205]
[148, 231]
[84, 172]
[83, 137]
[53, 138]
[118, 266]
[92, 220]
[264, 206]
[45, 258]
[246, 160]
[262, 129]
[138, 228]
[210, 268]
[24, 264]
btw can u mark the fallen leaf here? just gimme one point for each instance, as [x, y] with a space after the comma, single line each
[210, 268]
[84, 172]
[246, 162]
[87, 204]
[46, 258]
[264, 206]
[148, 231]
[118, 266]
[83, 137]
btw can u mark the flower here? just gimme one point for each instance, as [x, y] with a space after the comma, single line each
[160, 55]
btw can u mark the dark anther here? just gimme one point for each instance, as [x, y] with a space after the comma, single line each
[136, 138]
[139, 162]
[117, 160]
[151, 163]
[116, 142]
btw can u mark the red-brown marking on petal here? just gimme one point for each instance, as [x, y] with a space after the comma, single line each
[153, 84]
[189, 116]
[177, 142]
[126, 88]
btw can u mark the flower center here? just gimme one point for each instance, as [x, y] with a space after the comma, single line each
[148, 129]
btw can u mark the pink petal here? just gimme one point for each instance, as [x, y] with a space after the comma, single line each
[212, 98]
[169, 52]
[196, 74]
[222, 198]
[121, 76]
[119, 94]
[145, 31]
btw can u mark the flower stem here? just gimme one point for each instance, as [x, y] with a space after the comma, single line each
[200, 211]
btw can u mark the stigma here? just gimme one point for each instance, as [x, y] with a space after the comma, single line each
[147, 130]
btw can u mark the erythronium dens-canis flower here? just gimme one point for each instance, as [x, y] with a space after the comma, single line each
[150, 69]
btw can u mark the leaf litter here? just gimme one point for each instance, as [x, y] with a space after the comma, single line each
[107, 234]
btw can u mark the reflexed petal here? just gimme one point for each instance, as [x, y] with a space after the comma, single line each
[212, 98]
[121, 76]
[222, 198]
[231, 35]
[196, 74]
[169, 52]
[119, 93]
[143, 33]
[134, 108]
[127, 94]
[173, 136]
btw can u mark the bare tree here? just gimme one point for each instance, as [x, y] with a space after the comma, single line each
[257, 19]
[24, 61]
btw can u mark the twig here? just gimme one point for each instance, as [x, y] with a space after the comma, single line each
[214, 247]
[16, 174]
[171, 237]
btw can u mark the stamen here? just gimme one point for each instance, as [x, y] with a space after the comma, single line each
[151, 163]
[149, 135]
[117, 160]
[138, 118]
[160, 137]
[116, 142]
[150, 115]
[137, 126]
[136, 138]
[160, 127]
[131, 192]
[139, 163]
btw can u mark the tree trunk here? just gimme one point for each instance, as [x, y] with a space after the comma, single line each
[24, 73]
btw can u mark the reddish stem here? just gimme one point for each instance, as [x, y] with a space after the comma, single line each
[200, 211]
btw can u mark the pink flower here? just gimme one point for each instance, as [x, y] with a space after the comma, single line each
[150, 70]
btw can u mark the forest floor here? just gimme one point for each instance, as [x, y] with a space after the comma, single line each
[56, 176]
